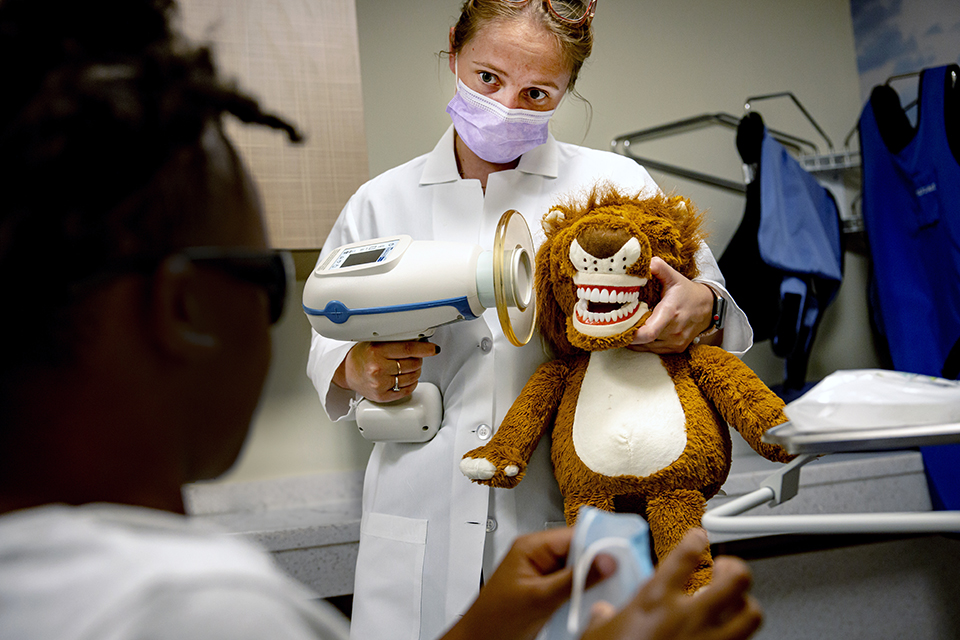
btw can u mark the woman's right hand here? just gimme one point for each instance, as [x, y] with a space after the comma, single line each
[383, 371]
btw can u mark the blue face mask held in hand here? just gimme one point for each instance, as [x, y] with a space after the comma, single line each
[625, 537]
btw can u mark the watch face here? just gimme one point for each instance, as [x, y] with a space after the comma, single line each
[720, 310]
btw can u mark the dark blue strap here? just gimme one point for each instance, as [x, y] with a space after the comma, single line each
[337, 312]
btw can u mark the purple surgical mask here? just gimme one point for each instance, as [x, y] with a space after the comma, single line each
[492, 131]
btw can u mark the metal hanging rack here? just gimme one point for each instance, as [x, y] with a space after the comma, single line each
[832, 160]
[838, 171]
[625, 145]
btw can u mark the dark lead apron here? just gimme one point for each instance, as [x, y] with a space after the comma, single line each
[785, 262]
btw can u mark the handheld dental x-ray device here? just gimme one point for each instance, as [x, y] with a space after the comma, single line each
[396, 288]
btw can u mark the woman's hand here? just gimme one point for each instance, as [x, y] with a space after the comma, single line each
[683, 313]
[722, 610]
[383, 371]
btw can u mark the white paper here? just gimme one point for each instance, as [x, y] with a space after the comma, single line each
[875, 398]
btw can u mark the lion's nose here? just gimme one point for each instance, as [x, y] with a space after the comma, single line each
[603, 242]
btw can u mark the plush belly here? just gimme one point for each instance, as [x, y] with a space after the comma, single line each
[629, 420]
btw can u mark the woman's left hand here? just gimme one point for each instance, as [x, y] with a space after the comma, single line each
[682, 314]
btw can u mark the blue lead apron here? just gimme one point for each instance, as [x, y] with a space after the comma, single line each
[911, 210]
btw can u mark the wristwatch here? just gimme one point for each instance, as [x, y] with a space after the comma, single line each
[718, 314]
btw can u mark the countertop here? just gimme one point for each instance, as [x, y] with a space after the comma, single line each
[312, 523]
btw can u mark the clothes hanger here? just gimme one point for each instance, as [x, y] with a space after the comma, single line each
[747, 105]
[625, 145]
[886, 83]
[911, 105]
[901, 76]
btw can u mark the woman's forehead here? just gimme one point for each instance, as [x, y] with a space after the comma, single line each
[519, 39]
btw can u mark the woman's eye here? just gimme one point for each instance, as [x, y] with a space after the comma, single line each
[487, 78]
[537, 95]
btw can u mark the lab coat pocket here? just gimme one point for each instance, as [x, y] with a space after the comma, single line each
[389, 577]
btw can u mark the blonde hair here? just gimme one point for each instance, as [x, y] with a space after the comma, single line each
[575, 42]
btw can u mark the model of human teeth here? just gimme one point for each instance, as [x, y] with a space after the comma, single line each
[604, 311]
[608, 300]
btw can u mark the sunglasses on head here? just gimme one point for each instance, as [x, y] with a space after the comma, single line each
[573, 12]
[267, 269]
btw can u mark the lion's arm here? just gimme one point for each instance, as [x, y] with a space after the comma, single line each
[503, 461]
[742, 399]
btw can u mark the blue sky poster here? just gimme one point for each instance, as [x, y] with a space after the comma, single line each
[902, 36]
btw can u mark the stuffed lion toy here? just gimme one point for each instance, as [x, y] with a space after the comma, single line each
[631, 431]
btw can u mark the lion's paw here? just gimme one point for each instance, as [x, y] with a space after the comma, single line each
[479, 468]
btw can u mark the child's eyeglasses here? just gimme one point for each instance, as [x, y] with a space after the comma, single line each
[270, 270]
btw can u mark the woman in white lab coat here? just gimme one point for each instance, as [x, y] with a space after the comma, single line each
[429, 535]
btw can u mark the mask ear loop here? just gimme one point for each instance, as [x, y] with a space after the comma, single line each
[580, 569]
[618, 548]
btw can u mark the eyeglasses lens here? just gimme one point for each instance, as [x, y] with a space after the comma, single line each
[573, 11]
[576, 12]
[268, 270]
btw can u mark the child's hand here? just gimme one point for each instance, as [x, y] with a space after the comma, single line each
[722, 610]
[528, 586]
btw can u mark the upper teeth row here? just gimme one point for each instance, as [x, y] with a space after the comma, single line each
[597, 294]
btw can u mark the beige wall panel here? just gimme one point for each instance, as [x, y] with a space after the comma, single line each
[301, 59]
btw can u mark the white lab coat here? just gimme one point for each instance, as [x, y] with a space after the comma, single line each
[427, 532]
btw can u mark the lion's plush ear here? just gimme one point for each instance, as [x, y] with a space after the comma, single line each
[552, 221]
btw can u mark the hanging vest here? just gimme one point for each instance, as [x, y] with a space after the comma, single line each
[911, 211]
[784, 264]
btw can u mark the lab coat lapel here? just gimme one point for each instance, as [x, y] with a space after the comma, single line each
[457, 211]
[456, 205]
[543, 160]
[441, 164]
[523, 189]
